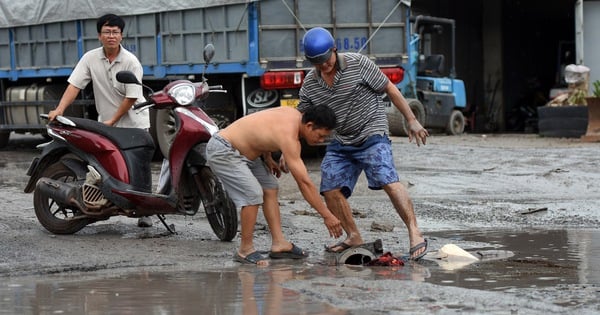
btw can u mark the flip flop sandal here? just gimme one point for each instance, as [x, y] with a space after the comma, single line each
[252, 258]
[343, 246]
[295, 253]
[415, 248]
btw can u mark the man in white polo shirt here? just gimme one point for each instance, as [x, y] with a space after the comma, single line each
[114, 100]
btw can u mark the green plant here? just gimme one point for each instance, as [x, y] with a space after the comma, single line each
[577, 97]
[596, 88]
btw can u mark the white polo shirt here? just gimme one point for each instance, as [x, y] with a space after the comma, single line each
[108, 92]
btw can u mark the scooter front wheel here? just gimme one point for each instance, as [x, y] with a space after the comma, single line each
[220, 209]
[54, 217]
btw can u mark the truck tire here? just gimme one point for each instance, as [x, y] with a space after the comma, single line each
[222, 119]
[4, 136]
[221, 108]
[397, 123]
[456, 123]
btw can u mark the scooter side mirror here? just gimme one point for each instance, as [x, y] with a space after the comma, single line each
[209, 52]
[127, 77]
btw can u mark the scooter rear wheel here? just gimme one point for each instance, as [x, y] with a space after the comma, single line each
[220, 209]
[56, 218]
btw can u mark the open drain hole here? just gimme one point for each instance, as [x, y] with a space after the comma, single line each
[357, 260]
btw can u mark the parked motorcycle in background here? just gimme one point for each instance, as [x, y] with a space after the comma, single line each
[90, 171]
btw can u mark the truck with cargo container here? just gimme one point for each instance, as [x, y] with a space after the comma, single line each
[259, 56]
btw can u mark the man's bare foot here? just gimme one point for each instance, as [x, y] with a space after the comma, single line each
[282, 247]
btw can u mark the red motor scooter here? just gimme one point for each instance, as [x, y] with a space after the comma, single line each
[90, 171]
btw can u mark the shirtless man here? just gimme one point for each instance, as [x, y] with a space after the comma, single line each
[234, 155]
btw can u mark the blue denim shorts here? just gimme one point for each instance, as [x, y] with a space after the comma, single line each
[343, 164]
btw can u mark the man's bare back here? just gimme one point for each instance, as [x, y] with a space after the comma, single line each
[257, 135]
[269, 130]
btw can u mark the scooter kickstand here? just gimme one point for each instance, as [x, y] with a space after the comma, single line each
[170, 228]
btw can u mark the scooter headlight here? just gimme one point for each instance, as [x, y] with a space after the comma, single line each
[183, 93]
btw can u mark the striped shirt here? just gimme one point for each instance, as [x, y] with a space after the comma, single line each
[355, 97]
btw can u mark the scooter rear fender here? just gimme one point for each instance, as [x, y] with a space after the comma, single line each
[55, 151]
[51, 153]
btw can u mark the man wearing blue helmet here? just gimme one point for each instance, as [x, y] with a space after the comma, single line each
[352, 85]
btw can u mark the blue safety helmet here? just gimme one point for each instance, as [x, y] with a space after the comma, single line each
[318, 45]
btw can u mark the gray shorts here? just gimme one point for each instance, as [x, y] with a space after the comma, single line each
[243, 179]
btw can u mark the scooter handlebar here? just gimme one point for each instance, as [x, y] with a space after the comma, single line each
[142, 104]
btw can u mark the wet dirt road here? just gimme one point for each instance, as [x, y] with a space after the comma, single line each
[536, 198]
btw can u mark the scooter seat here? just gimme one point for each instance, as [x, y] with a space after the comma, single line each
[125, 138]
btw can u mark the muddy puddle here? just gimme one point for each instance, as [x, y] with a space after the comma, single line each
[541, 258]
[245, 290]
[538, 259]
